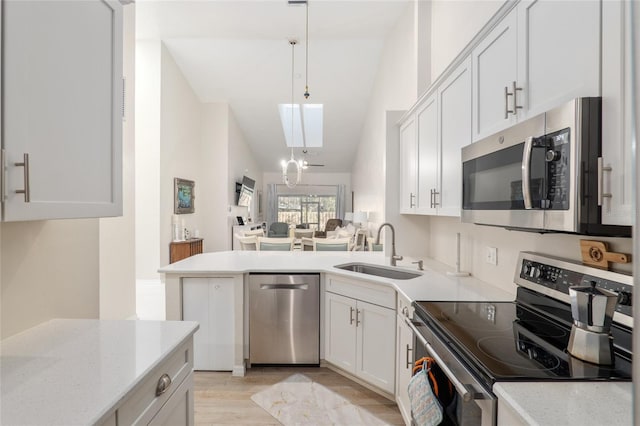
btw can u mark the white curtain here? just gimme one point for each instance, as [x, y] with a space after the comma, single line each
[272, 203]
[340, 201]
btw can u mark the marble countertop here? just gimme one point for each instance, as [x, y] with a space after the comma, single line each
[569, 403]
[72, 372]
[434, 284]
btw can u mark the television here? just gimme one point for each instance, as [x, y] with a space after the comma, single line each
[246, 191]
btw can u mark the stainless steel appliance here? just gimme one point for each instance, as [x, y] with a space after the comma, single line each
[592, 310]
[284, 319]
[543, 174]
[480, 343]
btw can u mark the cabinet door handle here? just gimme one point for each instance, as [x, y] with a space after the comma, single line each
[411, 198]
[431, 198]
[351, 315]
[435, 194]
[27, 189]
[601, 170]
[163, 384]
[515, 90]
[358, 317]
[409, 360]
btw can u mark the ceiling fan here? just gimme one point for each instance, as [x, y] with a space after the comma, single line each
[306, 164]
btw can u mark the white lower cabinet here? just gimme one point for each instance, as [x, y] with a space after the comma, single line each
[404, 359]
[210, 302]
[360, 336]
[165, 395]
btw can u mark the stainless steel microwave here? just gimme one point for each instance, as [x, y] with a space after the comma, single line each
[540, 175]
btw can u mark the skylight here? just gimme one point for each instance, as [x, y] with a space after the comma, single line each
[307, 125]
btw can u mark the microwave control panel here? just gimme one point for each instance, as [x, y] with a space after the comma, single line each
[558, 170]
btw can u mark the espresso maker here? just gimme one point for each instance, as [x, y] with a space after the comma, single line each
[592, 309]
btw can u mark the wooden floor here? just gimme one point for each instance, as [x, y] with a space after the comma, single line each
[222, 399]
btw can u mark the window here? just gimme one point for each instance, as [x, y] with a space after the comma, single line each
[313, 210]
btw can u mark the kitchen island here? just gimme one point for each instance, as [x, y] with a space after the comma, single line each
[73, 372]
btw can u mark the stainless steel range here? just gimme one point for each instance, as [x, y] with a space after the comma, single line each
[480, 343]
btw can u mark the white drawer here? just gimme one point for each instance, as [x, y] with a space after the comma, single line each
[378, 294]
[142, 404]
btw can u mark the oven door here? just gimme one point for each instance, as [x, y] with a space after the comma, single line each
[476, 404]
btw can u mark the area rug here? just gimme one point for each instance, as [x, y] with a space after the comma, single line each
[298, 400]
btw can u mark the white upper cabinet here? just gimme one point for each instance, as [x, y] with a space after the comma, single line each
[62, 109]
[542, 54]
[617, 155]
[428, 155]
[408, 167]
[443, 127]
[558, 53]
[454, 100]
[494, 71]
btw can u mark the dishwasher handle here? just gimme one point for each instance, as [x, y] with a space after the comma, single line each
[284, 286]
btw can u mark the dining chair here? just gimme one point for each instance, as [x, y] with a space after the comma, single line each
[275, 244]
[303, 233]
[248, 243]
[331, 244]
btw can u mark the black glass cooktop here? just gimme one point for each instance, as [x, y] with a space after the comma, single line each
[508, 341]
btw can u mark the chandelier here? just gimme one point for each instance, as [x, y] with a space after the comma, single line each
[292, 167]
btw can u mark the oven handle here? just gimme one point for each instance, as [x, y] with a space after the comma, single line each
[460, 387]
[526, 173]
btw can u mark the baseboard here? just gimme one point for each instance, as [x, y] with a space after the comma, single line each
[238, 371]
[359, 381]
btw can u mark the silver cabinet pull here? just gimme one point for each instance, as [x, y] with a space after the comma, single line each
[601, 169]
[409, 360]
[526, 173]
[411, 198]
[358, 317]
[435, 195]
[163, 384]
[27, 189]
[351, 315]
[3, 164]
[514, 92]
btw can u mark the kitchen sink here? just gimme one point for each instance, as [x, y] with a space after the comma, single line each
[378, 271]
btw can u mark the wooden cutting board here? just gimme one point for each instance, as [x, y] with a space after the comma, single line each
[596, 253]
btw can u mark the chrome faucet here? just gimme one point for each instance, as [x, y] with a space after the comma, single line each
[394, 256]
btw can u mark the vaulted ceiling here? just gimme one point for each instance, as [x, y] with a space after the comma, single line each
[238, 52]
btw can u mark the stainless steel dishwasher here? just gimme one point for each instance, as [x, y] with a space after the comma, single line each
[284, 319]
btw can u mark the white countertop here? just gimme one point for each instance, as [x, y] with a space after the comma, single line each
[74, 372]
[434, 284]
[569, 403]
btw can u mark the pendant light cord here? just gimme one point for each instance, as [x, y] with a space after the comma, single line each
[293, 46]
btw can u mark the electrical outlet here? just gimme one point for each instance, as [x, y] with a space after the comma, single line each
[492, 256]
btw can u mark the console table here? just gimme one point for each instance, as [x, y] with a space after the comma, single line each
[179, 250]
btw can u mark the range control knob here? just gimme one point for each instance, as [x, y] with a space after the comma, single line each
[552, 155]
[624, 298]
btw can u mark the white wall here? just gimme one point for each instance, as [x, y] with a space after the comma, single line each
[241, 163]
[453, 25]
[180, 149]
[147, 158]
[49, 270]
[117, 235]
[395, 88]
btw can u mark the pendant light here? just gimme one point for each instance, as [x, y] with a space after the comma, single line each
[292, 163]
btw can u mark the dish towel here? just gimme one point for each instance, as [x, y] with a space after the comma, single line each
[425, 407]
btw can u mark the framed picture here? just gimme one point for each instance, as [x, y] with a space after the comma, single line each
[184, 196]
